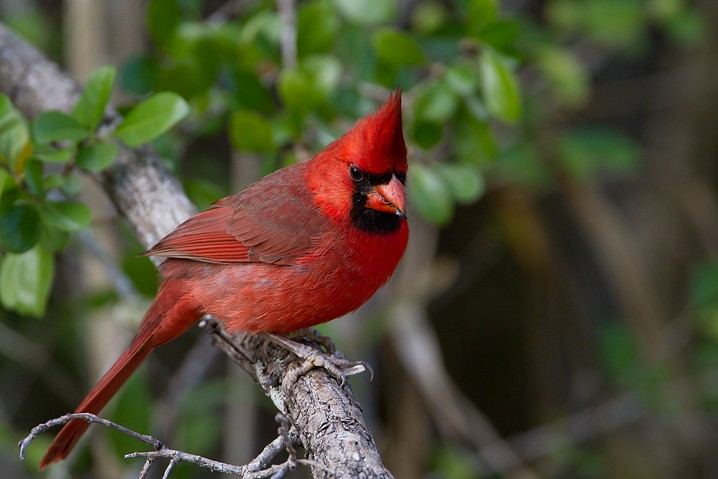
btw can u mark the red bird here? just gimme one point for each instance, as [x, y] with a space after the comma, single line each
[302, 246]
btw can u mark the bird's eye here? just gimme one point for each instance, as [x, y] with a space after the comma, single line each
[401, 177]
[355, 173]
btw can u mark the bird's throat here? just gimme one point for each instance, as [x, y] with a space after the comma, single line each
[373, 221]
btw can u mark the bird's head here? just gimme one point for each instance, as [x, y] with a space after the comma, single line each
[361, 175]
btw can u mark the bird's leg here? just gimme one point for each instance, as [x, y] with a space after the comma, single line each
[334, 363]
[333, 354]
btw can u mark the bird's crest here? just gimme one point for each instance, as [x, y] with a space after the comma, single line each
[376, 143]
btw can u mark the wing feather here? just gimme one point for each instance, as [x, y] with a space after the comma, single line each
[273, 221]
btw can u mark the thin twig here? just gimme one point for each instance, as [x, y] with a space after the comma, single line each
[146, 468]
[257, 468]
[176, 457]
[92, 419]
[283, 431]
[270, 451]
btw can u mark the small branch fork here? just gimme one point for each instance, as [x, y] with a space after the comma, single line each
[258, 468]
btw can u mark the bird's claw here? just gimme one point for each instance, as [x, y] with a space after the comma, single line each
[315, 336]
[332, 361]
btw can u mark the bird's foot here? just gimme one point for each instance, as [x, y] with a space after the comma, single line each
[332, 360]
[313, 336]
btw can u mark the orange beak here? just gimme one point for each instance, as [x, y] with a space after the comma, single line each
[388, 198]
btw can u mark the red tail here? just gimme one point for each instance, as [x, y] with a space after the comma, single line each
[168, 317]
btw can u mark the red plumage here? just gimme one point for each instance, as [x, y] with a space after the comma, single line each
[304, 245]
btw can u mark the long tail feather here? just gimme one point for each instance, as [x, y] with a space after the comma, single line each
[100, 395]
[166, 319]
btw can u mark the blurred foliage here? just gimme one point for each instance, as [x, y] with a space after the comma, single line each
[489, 96]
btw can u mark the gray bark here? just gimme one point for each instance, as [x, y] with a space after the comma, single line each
[328, 418]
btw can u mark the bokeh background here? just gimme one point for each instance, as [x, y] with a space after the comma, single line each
[556, 314]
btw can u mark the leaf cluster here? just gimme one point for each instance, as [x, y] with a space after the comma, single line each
[41, 167]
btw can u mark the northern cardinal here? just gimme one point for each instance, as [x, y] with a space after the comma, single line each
[304, 245]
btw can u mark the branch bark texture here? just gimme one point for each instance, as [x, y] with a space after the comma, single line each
[325, 413]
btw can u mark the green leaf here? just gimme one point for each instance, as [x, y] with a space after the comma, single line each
[296, 90]
[33, 176]
[57, 126]
[250, 131]
[500, 87]
[14, 137]
[51, 181]
[566, 75]
[311, 84]
[265, 27]
[49, 154]
[163, 18]
[53, 239]
[6, 182]
[250, 92]
[67, 216]
[368, 12]
[138, 74]
[96, 157]
[194, 62]
[185, 77]
[430, 194]
[501, 34]
[323, 71]
[473, 141]
[435, 104]
[462, 79]
[480, 13]
[396, 48]
[19, 228]
[428, 17]
[425, 134]
[72, 184]
[464, 181]
[25, 280]
[317, 28]
[90, 108]
[152, 117]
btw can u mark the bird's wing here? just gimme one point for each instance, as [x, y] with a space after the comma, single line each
[273, 221]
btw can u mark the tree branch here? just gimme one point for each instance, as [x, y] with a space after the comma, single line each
[326, 415]
[259, 467]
